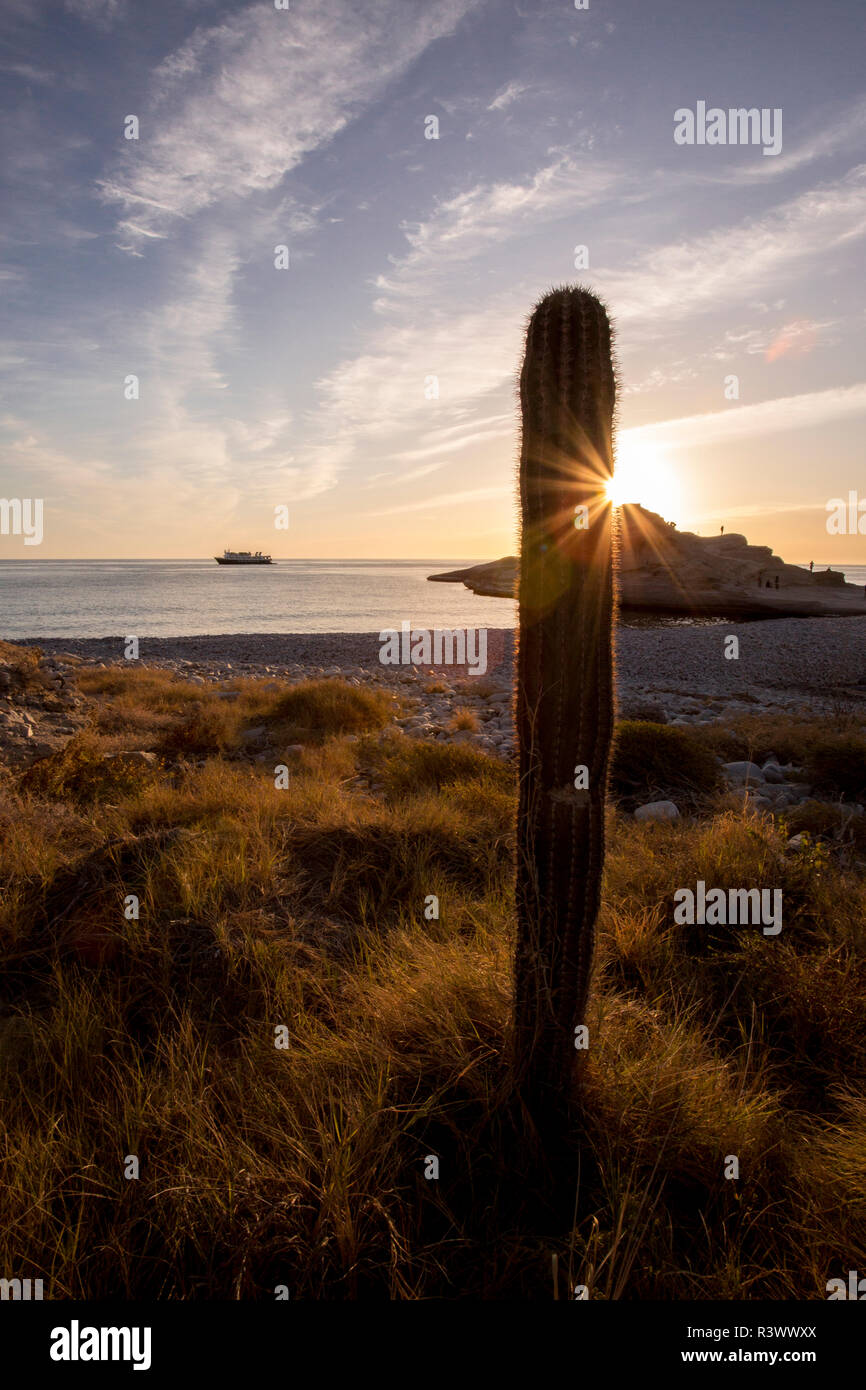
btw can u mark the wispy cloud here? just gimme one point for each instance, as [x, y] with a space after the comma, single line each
[448, 499]
[766, 417]
[379, 394]
[796, 339]
[28, 72]
[690, 276]
[844, 131]
[462, 436]
[463, 227]
[102, 13]
[761, 510]
[509, 94]
[377, 400]
[225, 123]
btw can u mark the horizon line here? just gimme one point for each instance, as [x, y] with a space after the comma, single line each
[319, 559]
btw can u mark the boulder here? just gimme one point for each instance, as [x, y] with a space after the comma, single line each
[740, 774]
[657, 810]
[773, 773]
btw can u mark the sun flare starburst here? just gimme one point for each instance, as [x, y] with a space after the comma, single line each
[643, 475]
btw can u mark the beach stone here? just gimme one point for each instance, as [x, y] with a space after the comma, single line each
[797, 841]
[657, 810]
[739, 773]
[254, 735]
[772, 790]
[772, 772]
[783, 799]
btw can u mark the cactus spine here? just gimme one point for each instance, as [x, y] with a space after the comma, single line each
[564, 710]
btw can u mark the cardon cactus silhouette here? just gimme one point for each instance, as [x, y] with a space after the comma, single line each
[564, 711]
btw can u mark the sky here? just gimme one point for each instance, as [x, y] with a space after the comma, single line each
[367, 391]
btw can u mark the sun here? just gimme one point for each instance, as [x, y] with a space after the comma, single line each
[644, 475]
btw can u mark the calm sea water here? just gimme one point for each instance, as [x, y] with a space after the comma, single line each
[183, 598]
[179, 598]
[855, 574]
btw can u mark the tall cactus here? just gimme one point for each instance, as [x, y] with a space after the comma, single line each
[564, 683]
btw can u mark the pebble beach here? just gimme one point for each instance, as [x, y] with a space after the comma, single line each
[678, 673]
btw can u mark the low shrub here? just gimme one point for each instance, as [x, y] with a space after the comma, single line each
[649, 759]
[823, 821]
[422, 765]
[837, 765]
[316, 709]
[80, 773]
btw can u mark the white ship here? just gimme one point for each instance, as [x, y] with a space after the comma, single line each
[243, 557]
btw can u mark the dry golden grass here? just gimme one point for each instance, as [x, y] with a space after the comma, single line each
[304, 908]
[464, 718]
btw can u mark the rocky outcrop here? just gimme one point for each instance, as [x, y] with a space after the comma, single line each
[40, 707]
[663, 570]
[498, 579]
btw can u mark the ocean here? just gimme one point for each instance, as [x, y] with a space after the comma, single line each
[183, 598]
[855, 574]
